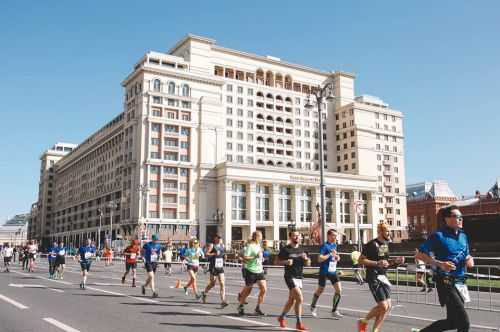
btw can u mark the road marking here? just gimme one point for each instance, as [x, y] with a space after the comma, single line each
[60, 325]
[124, 295]
[14, 303]
[202, 311]
[35, 286]
[247, 320]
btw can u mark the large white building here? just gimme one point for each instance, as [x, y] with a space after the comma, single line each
[215, 140]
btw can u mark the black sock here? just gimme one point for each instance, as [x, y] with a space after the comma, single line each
[315, 299]
[336, 300]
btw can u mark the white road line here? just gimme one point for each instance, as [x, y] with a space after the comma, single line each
[247, 320]
[14, 303]
[124, 295]
[35, 286]
[202, 311]
[60, 325]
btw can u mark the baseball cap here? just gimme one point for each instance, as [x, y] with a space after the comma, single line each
[154, 237]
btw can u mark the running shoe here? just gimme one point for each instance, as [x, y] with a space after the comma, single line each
[186, 291]
[123, 280]
[143, 290]
[155, 295]
[282, 322]
[300, 327]
[314, 311]
[362, 325]
[223, 305]
[336, 314]
[241, 310]
[259, 312]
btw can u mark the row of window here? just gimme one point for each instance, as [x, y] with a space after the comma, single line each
[171, 129]
[171, 102]
[170, 142]
[171, 156]
[171, 88]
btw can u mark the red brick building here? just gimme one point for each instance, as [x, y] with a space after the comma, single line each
[423, 203]
[481, 212]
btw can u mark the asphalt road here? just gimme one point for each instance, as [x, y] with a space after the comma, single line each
[32, 302]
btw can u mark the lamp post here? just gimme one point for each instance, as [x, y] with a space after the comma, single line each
[112, 205]
[99, 212]
[143, 190]
[322, 93]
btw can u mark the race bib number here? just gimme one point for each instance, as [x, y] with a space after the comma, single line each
[383, 279]
[62, 252]
[332, 267]
[463, 291]
[154, 258]
[297, 282]
[132, 256]
[219, 263]
[87, 255]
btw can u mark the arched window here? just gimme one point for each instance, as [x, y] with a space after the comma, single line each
[289, 165]
[288, 121]
[269, 95]
[260, 139]
[260, 162]
[288, 82]
[269, 78]
[288, 99]
[270, 140]
[279, 119]
[259, 75]
[279, 81]
[185, 90]
[260, 116]
[171, 88]
[289, 142]
[260, 94]
[279, 141]
[278, 97]
[279, 164]
[270, 163]
[156, 85]
[269, 118]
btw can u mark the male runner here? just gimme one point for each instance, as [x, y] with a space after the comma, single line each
[131, 253]
[151, 254]
[216, 253]
[254, 274]
[52, 260]
[375, 256]
[328, 259]
[7, 253]
[294, 258]
[60, 259]
[86, 252]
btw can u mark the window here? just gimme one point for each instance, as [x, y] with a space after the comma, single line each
[240, 89]
[345, 204]
[153, 184]
[229, 122]
[240, 101]
[229, 157]
[155, 141]
[229, 88]
[184, 172]
[156, 112]
[154, 214]
[184, 144]
[229, 111]
[262, 201]
[185, 131]
[306, 205]
[285, 204]
[229, 134]
[250, 125]
[239, 201]
[240, 124]
[171, 88]
[156, 100]
[170, 156]
[240, 112]
[170, 170]
[229, 99]
[183, 200]
[184, 186]
[185, 90]
[184, 157]
[249, 114]
[154, 169]
[156, 85]
[155, 127]
[155, 155]
[153, 199]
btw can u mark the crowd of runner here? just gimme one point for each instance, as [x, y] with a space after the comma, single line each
[447, 251]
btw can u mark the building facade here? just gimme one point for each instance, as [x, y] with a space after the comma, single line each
[214, 140]
[15, 230]
[424, 201]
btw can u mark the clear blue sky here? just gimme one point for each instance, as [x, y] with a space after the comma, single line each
[437, 61]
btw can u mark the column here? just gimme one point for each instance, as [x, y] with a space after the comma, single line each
[296, 204]
[275, 205]
[252, 206]
[336, 208]
[373, 212]
[354, 215]
[225, 190]
[316, 199]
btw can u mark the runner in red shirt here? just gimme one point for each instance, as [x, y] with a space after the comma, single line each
[131, 253]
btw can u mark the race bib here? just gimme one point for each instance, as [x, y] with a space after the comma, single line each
[332, 267]
[219, 263]
[154, 258]
[87, 255]
[62, 252]
[383, 279]
[132, 256]
[297, 282]
[463, 291]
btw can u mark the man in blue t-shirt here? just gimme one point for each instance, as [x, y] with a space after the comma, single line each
[450, 246]
[52, 254]
[86, 252]
[151, 254]
[328, 259]
[61, 259]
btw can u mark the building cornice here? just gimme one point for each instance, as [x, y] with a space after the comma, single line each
[185, 75]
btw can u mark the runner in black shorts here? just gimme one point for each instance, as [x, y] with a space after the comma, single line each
[131, 253]
[152, 253]
[60, 260]
[215, 254]
[294, 258]
[254, 274]
[375, 257]
[328, 259]
[86, 253]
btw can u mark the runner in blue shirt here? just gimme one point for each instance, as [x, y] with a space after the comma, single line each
[151, 254]
[86, 253]
[328, 259]
[450, 246]
[52, 260]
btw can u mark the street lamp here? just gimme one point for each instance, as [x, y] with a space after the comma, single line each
[99, 212]
[322, 93]
[112, 205]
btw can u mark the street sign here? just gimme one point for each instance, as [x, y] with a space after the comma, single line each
[359, 206]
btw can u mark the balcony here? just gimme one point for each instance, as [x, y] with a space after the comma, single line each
[387, 163]
[170, 190]
[388, 173]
